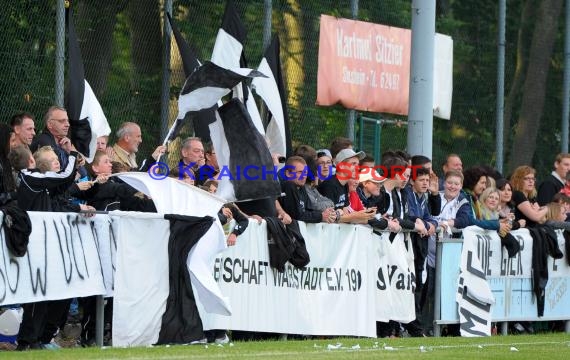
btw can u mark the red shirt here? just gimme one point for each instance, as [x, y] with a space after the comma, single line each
[355, 202]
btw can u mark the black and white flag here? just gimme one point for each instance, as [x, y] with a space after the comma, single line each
[228, 53]
[247, 172]
[200, 119]
[86, 118]
[208, 84]
[272, 91]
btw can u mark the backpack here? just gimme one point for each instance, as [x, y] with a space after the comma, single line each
[285, 244]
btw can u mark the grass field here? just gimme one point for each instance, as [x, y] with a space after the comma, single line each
[535, 347]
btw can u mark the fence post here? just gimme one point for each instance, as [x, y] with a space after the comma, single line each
[420, 114]
[566, 83]
[59, 51]
[99, 319]
[165, 92]
[500, 84]
[437, 295]
[351, 114]
[377, 137]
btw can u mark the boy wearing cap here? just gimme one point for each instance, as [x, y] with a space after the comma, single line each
[369, 192]
[369, 189]
[336, 188]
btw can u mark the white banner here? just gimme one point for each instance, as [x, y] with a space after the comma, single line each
[474, 295]
[141, 279]
[68, 256]
[336, 294]
[395, 281]
[142, 276]
[333, 295]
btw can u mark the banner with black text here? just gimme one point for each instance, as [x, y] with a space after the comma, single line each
[68, 256]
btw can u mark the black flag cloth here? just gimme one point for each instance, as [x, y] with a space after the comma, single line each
[189, 59]
[181, 323]
[208, 84]
[272, 91]
[200, 119]
[205, 87]
[260, 179]
[228, 53]
[86, 118]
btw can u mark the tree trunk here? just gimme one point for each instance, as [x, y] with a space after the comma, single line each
[523, 44]
[294, 52]
[534, 91]
[95, 25]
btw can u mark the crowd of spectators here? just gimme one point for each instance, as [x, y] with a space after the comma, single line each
[44, 172]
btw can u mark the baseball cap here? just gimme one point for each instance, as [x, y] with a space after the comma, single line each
[369, 176]
[347, 154]
[324, 152]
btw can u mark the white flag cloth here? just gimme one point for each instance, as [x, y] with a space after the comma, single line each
[172, 196]
[474, 297]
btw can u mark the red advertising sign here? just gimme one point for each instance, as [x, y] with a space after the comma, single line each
[363, 66]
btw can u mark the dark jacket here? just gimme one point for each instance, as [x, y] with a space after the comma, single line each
[113, 195]
[544, 243]
[242, 221]
[400, 202]
[47, 139]
[547, 189]
[6, 195]
[296, 203]
[381, 203]
[37, 189]
[418, 208]
[285, 244]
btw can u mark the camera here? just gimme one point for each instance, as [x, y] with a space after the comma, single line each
[282, 159]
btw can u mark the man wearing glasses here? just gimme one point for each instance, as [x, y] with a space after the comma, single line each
[55, 135]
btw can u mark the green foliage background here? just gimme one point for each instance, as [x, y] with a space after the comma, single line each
[131, 91]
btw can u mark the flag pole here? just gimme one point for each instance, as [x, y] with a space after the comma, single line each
[167, 139]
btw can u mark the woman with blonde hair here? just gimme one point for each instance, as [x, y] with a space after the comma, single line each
[523, 182]
[489, 201]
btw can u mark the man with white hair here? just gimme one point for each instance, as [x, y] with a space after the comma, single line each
[129, 137]
[124, 152]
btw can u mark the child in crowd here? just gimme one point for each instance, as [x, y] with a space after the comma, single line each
[42, 186]
[109, 193]
[556, 216]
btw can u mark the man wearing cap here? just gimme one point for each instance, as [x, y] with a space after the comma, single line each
[369, 189]
[296, 200]
[369, 193]
[336, 187]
